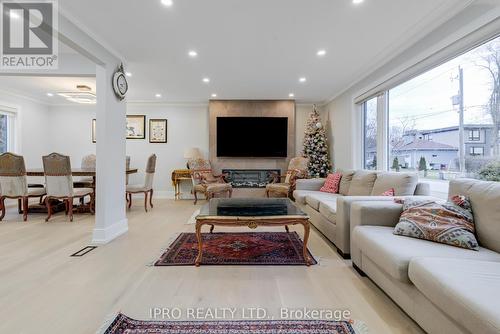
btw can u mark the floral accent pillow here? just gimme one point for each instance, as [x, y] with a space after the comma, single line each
[390, 192]
[332, 183]
[450, 223]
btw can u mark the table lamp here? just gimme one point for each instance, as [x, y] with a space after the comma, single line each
[192, 153]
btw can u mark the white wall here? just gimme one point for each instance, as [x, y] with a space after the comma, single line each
[69, 132]
[31, 128]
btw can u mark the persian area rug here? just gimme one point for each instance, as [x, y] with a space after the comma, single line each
[255, 248]
[124, 324]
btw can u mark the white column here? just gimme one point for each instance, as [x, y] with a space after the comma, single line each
[110, 218]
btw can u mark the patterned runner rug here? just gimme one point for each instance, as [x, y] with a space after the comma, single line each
[124, 324]
[256, 248]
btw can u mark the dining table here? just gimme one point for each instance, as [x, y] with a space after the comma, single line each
[57, 205]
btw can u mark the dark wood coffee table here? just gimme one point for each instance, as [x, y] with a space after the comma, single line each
[251, 212]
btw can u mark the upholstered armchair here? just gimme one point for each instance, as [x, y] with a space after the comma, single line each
[59, 183]
[297, 169]
[204, 180]
[14, 184]
[145, 188]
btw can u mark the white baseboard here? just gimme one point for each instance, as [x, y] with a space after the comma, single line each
[105, 235]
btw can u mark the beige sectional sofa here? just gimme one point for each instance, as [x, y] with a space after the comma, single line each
[445, 289]
[330, 212]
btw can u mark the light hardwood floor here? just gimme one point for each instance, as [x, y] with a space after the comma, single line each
[44, 290]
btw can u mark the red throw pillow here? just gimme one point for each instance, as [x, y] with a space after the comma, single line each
[390, 192]
[332, 183]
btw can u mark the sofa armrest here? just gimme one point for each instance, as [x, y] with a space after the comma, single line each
[375, 213]
[371, 213]
[309, 184]
[423, 189]
[342, 237]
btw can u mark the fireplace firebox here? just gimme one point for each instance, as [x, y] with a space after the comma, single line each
[250, 178]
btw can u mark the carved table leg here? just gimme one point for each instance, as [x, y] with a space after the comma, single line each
[306, 238]
[200, 245]
[212, 228]
[287, 229]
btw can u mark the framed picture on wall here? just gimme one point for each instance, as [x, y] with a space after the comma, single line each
[157, 130]
[136, 127]
[93, 131]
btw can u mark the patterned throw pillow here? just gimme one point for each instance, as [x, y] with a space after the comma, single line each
[450, 223]
[390, 192]
[332, 183]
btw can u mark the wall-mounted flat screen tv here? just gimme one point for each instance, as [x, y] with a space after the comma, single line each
[252, 137]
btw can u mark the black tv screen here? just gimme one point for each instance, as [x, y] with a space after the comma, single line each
[252, 137]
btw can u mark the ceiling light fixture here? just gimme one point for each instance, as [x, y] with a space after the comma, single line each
[158, 95]
[82, 95]
[302, 79]
[128, 74]
[167, 3]
[214, 95]
[321, 53]
[357, 2]
[291, 95]
[50, 94]
[192, 53]
[206, 80]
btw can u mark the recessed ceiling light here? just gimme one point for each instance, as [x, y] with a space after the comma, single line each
[167, 3]
[356, 2]
[50, 94]
[206, 80]
[192, 53]
[128, 74]
[321, 53]
[157, 95]
[291, 95]
[302, 79]
[214, 95]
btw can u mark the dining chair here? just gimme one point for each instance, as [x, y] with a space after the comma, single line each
[127, 167]
[14, 184]
[59, 183]
[147, 187]
[88, 162]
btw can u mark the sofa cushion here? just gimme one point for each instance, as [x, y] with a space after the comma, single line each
[484, 198]
[467, 291]
[393, 253]
[313, 200]
[345, 181]
[447, 223]
[332, 183]
[328, 209]
[300, 195]
[362, 183]
[404, 184]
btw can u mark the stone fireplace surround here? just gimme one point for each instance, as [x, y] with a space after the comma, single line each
[251, 108]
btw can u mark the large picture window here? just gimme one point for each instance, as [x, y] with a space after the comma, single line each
[445, 122]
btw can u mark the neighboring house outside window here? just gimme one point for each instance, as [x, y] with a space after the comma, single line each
[474, 150]
[474, 135]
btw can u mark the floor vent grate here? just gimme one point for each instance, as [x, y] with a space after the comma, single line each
[83, 251]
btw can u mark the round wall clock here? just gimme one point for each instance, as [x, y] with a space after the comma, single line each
[120, 84]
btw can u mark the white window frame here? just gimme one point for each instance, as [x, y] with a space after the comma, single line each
[12, 130]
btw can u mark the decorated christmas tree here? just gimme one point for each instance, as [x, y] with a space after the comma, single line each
[316, 146]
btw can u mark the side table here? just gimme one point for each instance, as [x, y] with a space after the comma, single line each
[178, 176]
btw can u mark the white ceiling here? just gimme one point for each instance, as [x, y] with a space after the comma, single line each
[253, 49]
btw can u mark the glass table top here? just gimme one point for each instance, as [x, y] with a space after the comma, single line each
[250, 207]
